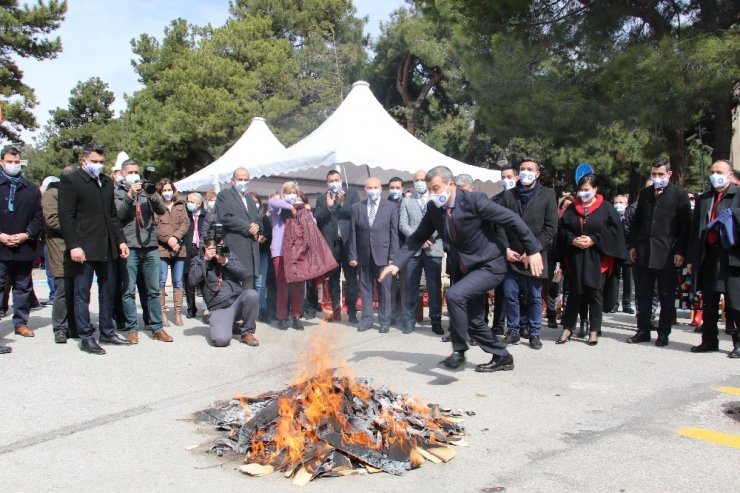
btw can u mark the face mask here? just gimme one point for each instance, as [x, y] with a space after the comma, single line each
[242, 186]
[420, 187]
[211, 204]
[373, 195]
[659, 182]
[619, 207]
[95, 168]
[395, 194]
[335, 186]
[527, 177]
[693, 203]
[586, 196]
[12, 169]
[167, 195]
[191, 207]
[440, 199]
[131, 179]
[508, 183]
[291, 197]
[718, 180]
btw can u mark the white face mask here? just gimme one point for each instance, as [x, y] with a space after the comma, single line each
[131, 179]
[719, 180]
[167, 195]
[395, 194]
[508, 183]
[211, 204]
[527, 177]
[620, 207]
[373, 195]
[242, 186]
[586, 196]
[420, 187]
[291, 197]
[335, 186]
[95, 168]
[440, 199]
[11, 169]
[659, 182]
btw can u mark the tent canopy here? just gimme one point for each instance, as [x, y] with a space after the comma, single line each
[360, 139]
[257, 144]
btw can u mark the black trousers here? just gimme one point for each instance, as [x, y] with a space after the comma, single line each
[62, 310]
[591, 300]
[106, 272]
[667, 280]
[611, 288]
[499, 311]
[466, 303]
[17, 273]
[350, 275]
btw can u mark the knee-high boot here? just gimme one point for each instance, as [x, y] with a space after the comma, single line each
[177, 295]
[163, 302]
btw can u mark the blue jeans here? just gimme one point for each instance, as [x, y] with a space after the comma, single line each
[106, 272]
[178, 268]
[532, 288]
[49, 277]
[260, 281]
[433, 273]
[144, 261]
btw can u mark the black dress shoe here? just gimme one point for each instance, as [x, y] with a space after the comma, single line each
[473, 342]
[352, 318]
[662, 340]
[60, 337]
[309, 314]
[446, 339]
[5, 349]
[497, 363]
[535, 343]
[384, 329]
[437, 328]
[454, 361]
[407, 328]
[552, 323]
[524, 332]
[735, 353]
[115, 339]
[698, 330]
[629, 310]
[282, 324]
[3, 313]
[512, 338]
[297, 325]
[639, 337]
[190, 314]
[91, 346]
[47, 303]
[705, 347]
[498, 330]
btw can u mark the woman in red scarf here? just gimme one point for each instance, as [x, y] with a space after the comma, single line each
[590, 238]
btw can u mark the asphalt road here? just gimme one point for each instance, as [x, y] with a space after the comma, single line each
[568, 418]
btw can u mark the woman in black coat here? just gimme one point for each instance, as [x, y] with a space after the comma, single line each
[591, 241]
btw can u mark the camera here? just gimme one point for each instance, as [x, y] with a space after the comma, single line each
[217, 235]
[148, 187]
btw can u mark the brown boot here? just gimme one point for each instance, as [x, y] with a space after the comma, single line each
[163, 302]
[177, 295]
[249, 339]
[162, 335]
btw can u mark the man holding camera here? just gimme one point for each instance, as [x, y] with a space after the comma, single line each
[220, 276]
[136, 203]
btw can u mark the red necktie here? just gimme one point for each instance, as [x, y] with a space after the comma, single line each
[713, 236]
[658, 193]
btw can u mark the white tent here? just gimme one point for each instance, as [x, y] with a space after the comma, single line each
[257, 144]
[360, 139]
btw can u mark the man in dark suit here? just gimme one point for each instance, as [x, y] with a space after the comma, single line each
[94, 238]
[467, 222]
[242, 224]
[21, 222]
[333, 213]
[716, 267]
[373, 243]
[658, 240]
[537, 206]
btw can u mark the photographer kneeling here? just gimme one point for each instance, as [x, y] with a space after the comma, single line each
[220, 275]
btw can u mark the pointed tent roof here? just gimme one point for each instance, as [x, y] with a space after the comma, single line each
[257, 144]
[361, 139]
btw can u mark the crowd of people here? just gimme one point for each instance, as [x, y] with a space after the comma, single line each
[537, 258]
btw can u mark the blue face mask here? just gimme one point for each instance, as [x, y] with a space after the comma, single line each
[373, 195]
[420, 187]
[440, 199]
[167, 195]
[335, 186]
[586, 196]
[291, 197]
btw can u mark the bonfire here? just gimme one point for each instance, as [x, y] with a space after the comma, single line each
[329, 423]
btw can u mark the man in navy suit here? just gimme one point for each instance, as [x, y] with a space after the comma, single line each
[373, 243]
[467, 222]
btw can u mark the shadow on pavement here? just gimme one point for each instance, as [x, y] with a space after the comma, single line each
[423, 364]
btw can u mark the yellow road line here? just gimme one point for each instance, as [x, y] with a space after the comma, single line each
[728, 390]
[717, 437]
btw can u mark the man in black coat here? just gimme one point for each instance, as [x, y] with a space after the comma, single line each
[373, 243]
[467, 222]
[716, 267]
[537, 206]
[333, 213]
[94, 238]
[658, 240]
[242, 224]
[21, 222]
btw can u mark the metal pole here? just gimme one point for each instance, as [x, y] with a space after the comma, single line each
[700, 132]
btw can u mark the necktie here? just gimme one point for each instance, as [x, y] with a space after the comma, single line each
[712, 235]
[451, 226]
[196, 235]
[372, 211]
[658, 193]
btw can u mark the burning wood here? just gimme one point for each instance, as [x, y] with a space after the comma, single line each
[332, 424]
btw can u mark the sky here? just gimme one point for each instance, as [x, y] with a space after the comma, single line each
[96, 37]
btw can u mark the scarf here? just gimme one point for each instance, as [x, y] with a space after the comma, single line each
[607, 262]
[525, 194]
[14, 182]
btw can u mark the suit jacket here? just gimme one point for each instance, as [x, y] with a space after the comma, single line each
[332, 221]
[88, 215]
[236, 220]
[410, 218]
[379, 240]
[660, 227]
[541, 215]
[25, 218]
[476, 218]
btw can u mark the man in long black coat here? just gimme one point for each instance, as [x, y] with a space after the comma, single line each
[658, 243]
[716, 267]
[94, 238]
[21, 221]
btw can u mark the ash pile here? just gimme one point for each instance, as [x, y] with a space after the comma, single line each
[331, 424]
